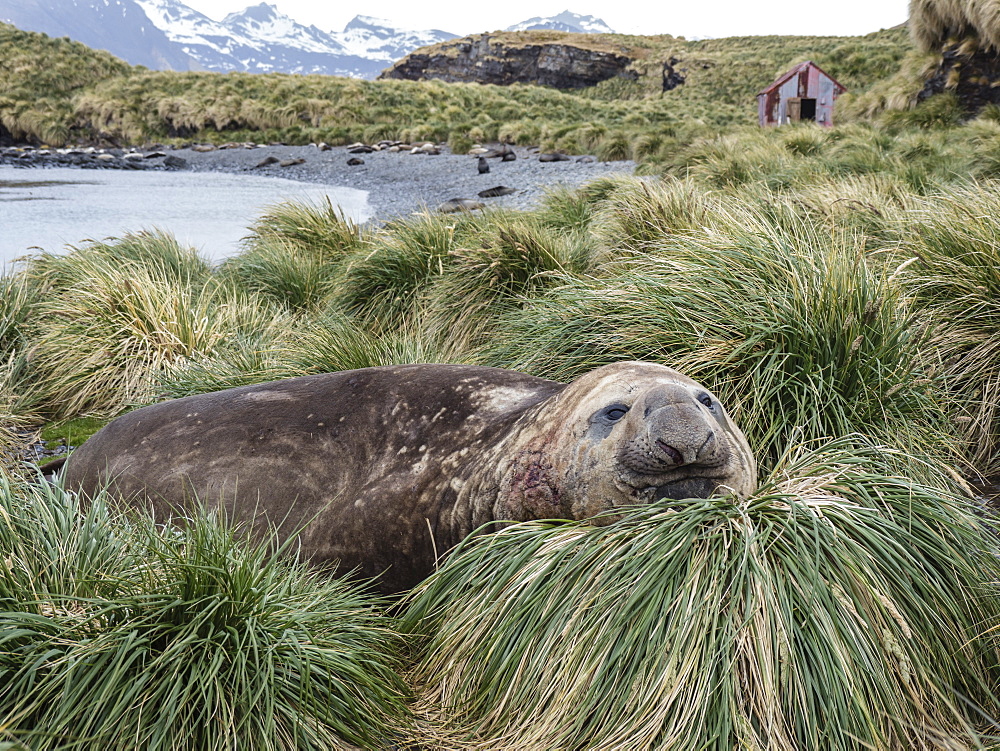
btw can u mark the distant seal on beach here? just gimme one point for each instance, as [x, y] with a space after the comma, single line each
[385, 469]
[454, 205]
[496, 192]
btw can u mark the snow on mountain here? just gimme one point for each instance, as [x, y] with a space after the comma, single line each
[378, 38]
[184, 25]
[169, 35]
[258, 39]
[565, 21]
[264, 23]
[261, 39]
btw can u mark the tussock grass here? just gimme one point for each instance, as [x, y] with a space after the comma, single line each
[934, 23]
[284, 272]
[18, 319]
[156, 251]
[14, 426]
[337, 343]
[41, 76]
[17, 300]
[840, 607]
[295, 254]
[640, 213]
[324, 343]
[950, 246]
[244, 360]
[319, 228]
[799, 332]
[113, 322]
[384, 286]
[511, 259]
[922, 148]
[121, 634]
[573, 211]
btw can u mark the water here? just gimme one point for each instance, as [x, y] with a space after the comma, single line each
[53, 208]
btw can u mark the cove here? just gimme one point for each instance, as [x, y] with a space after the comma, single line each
[53, 209]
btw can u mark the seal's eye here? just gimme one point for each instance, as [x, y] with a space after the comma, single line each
[615, 412]
[706, 400]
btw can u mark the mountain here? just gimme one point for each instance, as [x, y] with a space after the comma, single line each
[168, 35]
[378, 39]
[119, 26]
[565, 21]
[258, 39]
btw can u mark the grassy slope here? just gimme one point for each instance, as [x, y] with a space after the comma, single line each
[94, 95]
[39, 77]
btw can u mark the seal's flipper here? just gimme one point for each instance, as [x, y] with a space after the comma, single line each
[51, 468]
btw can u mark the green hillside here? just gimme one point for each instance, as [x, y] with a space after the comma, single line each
[39, 78]
[56, 91]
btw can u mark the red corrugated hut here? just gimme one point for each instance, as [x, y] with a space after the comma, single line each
[802, 94]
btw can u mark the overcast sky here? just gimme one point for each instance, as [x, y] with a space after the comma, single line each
[712, 18]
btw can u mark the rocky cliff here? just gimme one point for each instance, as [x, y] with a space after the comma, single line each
[544, 58]
[972, 74]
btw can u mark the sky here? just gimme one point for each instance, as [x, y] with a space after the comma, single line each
[708, 18]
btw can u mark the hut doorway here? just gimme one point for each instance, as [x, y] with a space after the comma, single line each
[801, 108]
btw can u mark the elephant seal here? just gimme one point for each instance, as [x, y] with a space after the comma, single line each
[383, 469]
[454, 205]
[499, 190]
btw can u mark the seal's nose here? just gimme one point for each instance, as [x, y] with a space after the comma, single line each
[665, 395]
[678, 426]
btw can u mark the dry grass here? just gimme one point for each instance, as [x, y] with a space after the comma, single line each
[839, 608]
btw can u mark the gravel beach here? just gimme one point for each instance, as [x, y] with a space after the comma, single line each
[400, 183]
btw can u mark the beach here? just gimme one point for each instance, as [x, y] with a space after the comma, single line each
[401, 183]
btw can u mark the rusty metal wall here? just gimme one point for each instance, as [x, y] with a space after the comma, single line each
[810, 82]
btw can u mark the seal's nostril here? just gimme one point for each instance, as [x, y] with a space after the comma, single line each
[710, 440]
[673, 454]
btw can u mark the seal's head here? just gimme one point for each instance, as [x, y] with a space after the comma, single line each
[626, 434]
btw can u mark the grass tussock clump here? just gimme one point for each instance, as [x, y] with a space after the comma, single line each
[511, 259]
[295, 255]
[639, 213]
[840, 607]
[951, 266]
[17, 304]
[935, 22]
[383, 287]
[322, 344]
[117, 314]
[120, 634]
[798, 331]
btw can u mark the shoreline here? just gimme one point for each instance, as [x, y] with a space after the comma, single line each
[398, 183]
[401, 183]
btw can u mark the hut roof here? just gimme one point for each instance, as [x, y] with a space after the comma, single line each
[794, 71]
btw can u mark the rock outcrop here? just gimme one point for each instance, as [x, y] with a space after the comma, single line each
[563, 61]
[974, 77]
